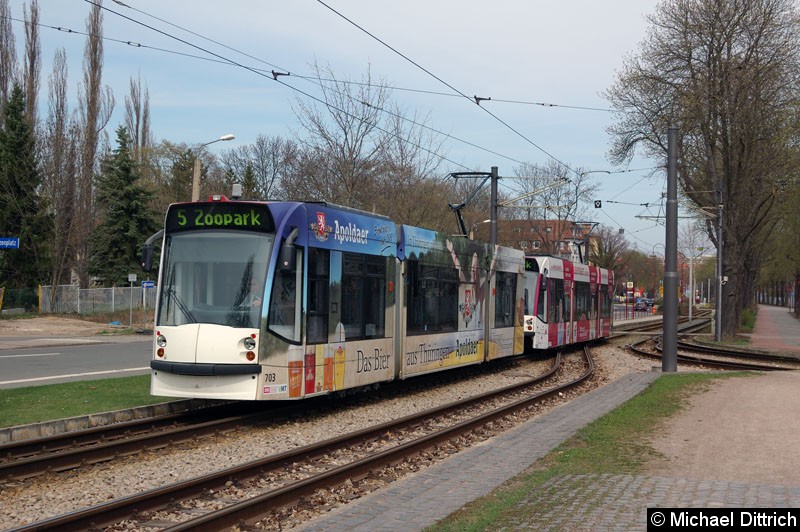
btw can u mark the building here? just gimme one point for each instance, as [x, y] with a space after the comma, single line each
[560, 238]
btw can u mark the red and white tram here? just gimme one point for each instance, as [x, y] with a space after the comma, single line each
[565, 302]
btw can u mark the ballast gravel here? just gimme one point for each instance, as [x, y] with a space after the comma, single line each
[54, 494]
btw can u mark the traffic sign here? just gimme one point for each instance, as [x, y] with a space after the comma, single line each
[148, 284]
[9, 242]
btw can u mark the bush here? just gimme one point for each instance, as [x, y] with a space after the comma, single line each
[26, 298]
[747, 320]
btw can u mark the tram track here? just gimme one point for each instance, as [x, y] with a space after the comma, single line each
[58, 453]
[719, 357]
[382, 445]
[70, 450]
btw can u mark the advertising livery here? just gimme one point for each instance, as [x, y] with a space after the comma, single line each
[287, 300]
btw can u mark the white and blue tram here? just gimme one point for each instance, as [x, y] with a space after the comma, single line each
[287, 300]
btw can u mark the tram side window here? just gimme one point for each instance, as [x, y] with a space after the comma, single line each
[583, 300]
[542, 299]
[283, 306]
[605, 309]
[557, 301]
[432, 298]
[504, 299]
[363, 296]
[318, 294]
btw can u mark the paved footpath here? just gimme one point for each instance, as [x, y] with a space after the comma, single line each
[604, 502]
[776, 330]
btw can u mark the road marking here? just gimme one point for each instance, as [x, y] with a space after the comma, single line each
[75, 375]
[30, 355]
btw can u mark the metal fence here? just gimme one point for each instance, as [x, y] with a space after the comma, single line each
[66, 299]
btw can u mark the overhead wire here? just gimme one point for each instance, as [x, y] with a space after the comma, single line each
[474, 99]
[272, 75]
[133, 44]
[226, 61]
[313, 79]
[423, 91]
[305, 77]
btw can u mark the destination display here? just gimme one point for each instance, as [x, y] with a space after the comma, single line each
[219, 215]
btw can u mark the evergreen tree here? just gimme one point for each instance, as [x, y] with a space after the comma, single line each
[126, 220]
[249, 183]
[23, 213]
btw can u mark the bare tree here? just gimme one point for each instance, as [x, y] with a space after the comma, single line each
[343, 139]
[413, 188]
[8, 55]
[60, 171]
[267, 162]
[550, 193]
[609, 249]
[693, 242]
[724, 72]
[95, 106]
[137, 120]
[33, 61]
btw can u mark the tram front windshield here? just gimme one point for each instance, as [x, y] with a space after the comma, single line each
[214, 277]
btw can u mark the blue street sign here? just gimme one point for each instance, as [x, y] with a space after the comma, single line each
[9, 242]
[148, 284]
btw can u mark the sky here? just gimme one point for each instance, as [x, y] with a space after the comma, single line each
[555, 59]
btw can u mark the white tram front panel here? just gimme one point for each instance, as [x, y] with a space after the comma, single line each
[211, 287]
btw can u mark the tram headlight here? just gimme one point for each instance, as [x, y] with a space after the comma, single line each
[249, 343]
[161, 342]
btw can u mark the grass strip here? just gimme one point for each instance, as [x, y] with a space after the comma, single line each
[616, 443]
[22, 406]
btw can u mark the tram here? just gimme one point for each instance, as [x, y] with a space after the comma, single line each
[263, 300]
[565, 302]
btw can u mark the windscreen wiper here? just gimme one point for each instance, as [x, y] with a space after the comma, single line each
[181, 305]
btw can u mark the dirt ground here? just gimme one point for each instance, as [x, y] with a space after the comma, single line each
[56, 326]
[737, 431]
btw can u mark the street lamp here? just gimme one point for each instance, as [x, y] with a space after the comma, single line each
[586, 239]
[475, 228]
[691, 278]
[196, 173]
[655, 269]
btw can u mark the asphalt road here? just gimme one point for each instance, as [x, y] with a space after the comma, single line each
[85, 359]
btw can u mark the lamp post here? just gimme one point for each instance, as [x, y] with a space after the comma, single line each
[474, 228]
[691, 279]
[655, 267]
[655, 271]
[196, 173]
[585, 235]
